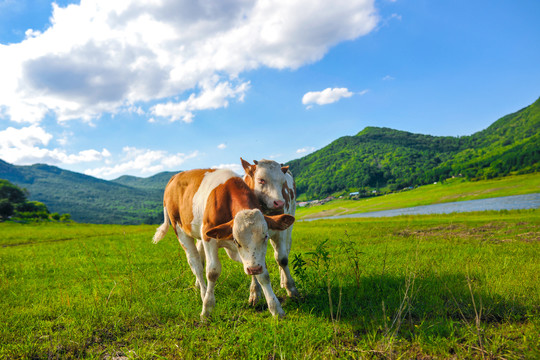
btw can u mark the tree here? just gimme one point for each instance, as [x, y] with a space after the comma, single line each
[6, 209]
[13, 203]
[11, 192]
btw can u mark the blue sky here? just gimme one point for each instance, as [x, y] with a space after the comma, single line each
[109, 88]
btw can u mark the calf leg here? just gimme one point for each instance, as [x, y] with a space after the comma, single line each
[281, 242]
[194, 260]
[213, 270]
[273, 303]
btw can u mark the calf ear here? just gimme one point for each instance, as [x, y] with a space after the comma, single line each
[248, 168]
[221, 232]
[279, 222]
[285, 169]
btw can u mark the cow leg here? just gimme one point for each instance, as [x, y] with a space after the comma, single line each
[254, 291]
[281, 242]
[273, 303]
[232, 251]
[213, 270]
[255, 288]
[200, 250]
[194, 260]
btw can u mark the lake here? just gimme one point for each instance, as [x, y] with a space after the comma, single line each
[529, 201]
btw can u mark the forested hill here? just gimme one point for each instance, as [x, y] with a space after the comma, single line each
[374, 158]
[127, 200]
[382, 157]
[155, 182]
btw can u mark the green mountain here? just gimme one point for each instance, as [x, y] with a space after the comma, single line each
[511, 144]
[382, 157]
[155, 182]
[89, 199]
[373, 158]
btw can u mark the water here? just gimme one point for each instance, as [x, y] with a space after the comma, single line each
[529, 201]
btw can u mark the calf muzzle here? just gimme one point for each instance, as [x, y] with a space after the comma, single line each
[254, 270]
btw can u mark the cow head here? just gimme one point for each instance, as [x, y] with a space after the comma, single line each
[268, 181]
[249, 230]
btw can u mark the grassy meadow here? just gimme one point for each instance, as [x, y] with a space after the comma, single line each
[425, 287]
[451, 190]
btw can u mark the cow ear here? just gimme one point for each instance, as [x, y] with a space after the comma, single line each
[285, 169]
[221, 232]
[279, 222]
[248, 168]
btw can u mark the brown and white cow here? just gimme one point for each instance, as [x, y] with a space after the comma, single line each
[274, 186]
[217, 208]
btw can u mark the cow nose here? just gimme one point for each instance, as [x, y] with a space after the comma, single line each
[278, 204]
[254, 270]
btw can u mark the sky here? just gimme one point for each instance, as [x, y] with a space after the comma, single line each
[111, 88]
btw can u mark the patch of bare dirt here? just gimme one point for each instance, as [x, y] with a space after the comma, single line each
[496, 232]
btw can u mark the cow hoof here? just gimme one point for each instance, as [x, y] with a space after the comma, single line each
[253, 300]
[205, 318]
[293, 293]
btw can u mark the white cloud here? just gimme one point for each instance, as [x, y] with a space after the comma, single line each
[107, 56]
[222, 146]
[388, 78]
[363, 92]
[28, 146]
[30, 33]
[327, 96]
[305, 150]
[213, 96]
[142, 161]
[237, 168]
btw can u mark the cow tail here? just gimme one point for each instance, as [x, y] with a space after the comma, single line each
[162, 230]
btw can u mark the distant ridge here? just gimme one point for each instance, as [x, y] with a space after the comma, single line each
[375, 158]
[154, 182]
[89, 199]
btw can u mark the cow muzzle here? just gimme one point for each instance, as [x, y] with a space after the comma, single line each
[278, 204]
[254, 270]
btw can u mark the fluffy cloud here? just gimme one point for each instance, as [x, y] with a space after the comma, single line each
[142, 161]
[305, 150]
[327, 96]
[108, 56]
[237, 168]
[213, 96]
[222, 146]
[27, 146]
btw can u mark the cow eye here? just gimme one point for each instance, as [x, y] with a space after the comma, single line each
[266, 237]
[237, 244]
[262, 181]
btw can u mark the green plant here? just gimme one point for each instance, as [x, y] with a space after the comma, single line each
[299, 267]
[320, 261]
[349, 248]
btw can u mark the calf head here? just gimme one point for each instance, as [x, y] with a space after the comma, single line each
[249, 230]
[267, 179]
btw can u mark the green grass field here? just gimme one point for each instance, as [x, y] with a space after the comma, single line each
[449, 191]
[425, 287]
